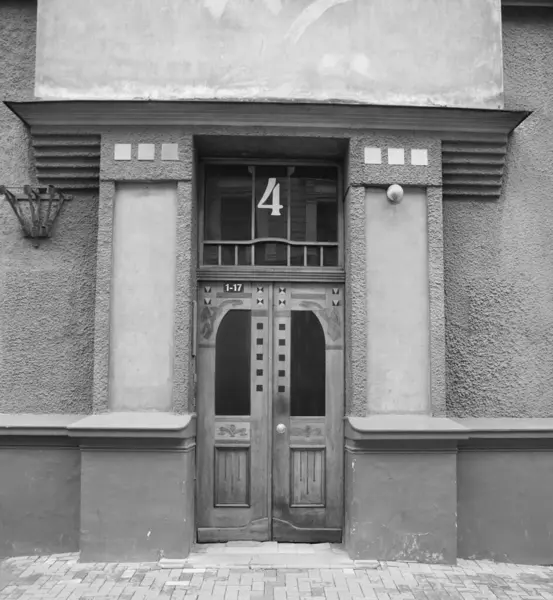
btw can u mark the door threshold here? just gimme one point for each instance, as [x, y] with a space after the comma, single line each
[266, 555]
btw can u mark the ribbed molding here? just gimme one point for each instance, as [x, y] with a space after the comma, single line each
[473, 170]
[69, 162]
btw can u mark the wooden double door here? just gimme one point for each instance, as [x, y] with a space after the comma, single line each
[270, 366]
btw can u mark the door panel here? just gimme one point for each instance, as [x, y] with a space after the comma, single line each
[232, 416]
[270, 408]
[308, 401]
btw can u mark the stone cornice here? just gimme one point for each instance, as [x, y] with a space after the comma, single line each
[445, 122]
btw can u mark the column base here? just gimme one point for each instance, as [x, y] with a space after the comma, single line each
[401, 488]
[137, 487]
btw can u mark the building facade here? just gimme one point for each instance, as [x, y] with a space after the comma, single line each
[277, 270]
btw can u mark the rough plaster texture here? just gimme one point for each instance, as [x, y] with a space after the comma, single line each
[386, 174]
[185, 294]
[436, 298]
[499, 255]
[46, 294]
[102, 299]
[145, 170]
[397, 295]
[143, 296]
[356, 307]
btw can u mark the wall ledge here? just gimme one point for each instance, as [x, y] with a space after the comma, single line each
[135, 425]
[107, 425]
[449, 122]
[425, 432]
[401, 427]
[25, 424]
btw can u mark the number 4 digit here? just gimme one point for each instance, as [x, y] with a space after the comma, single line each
[273, 190]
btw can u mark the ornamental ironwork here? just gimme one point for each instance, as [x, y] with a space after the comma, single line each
[36, 209]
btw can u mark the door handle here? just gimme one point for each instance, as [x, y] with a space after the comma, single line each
[281, 428]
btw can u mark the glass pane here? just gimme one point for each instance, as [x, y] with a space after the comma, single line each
[228, 256]
[244, 255]
[271, 254]
[296, 256]
[314, 204]
[313, 256]
[228, 203]
[211, 255]
[232, 364]
[268, 224]
[307, 366]
[330, 256]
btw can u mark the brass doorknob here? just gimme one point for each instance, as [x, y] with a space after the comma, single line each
[281, 428]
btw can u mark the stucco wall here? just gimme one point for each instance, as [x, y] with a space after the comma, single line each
[402, 52]
[46, 294]
[499, 255]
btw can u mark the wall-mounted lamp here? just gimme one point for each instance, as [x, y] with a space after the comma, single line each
[36, 210]
[395, 193]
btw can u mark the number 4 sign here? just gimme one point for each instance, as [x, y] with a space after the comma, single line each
[272, 190]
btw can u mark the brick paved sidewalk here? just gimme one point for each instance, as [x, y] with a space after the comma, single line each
[62, 577]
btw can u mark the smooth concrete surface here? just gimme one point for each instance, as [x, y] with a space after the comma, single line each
[401, 52]
[401, 506]
[39, 498]
[403, 424]
[505, 505]
[143, 296]
[134, 424]
[397, 296]
[498, 255]
[136, 504]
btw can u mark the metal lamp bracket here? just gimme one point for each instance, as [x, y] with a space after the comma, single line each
[36, 209]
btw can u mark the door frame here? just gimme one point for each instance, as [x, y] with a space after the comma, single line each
[328, 525]
[272, 276]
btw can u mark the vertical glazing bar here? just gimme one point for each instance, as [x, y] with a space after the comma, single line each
[305, 256]
[236, 255]
[289, 172]
[252, 172]
[219, 254]
[321, 256]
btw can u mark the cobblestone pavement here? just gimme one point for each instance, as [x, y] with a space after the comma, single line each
[234, 572]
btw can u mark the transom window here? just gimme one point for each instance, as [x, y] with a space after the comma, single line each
[271, 215]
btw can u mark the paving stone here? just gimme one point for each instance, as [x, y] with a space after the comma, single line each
[323, 573]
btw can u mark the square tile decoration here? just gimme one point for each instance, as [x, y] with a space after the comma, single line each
[419, 157]
[146, 151]
[373, 156]
[396, 156]
[121, 152]
[169, 152]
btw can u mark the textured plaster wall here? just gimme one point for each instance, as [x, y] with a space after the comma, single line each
[46, 294]
[499, 255]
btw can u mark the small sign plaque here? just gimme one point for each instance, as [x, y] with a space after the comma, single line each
[233, 287]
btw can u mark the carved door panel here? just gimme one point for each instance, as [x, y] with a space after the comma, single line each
[270, 407]
[233, 416]
[307, 413]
